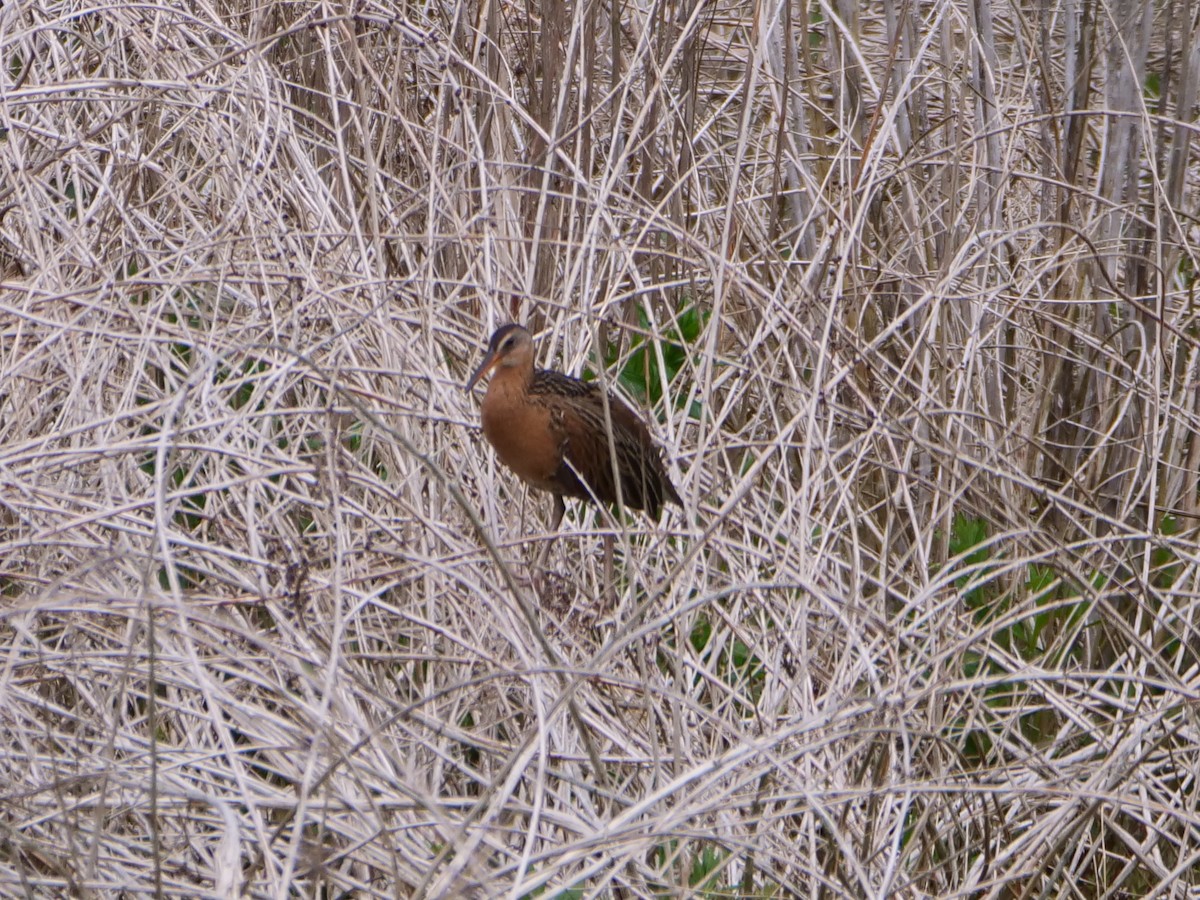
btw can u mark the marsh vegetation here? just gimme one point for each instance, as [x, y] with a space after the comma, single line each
[908, 292]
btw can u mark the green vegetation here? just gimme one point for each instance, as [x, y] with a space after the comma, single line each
[642, 374]
[908, 295]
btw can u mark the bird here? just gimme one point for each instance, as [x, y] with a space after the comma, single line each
[554, 432]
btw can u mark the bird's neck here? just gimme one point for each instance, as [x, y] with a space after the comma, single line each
[506, 400]
[510, 381]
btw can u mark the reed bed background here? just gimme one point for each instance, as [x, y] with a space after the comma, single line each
[908, 291]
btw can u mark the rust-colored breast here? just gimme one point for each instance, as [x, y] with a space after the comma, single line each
[522, 433]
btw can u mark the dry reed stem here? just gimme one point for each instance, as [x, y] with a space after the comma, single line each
[927, 626]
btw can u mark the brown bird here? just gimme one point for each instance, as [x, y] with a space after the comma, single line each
[551, 430]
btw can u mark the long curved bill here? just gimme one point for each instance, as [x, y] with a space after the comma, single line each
[489, 362]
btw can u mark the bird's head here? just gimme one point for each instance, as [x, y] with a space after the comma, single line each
[511, 347]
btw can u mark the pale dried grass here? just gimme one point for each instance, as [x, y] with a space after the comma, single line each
[268, 623]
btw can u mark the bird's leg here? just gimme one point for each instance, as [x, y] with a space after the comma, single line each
[610, 587]
[560, 510]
